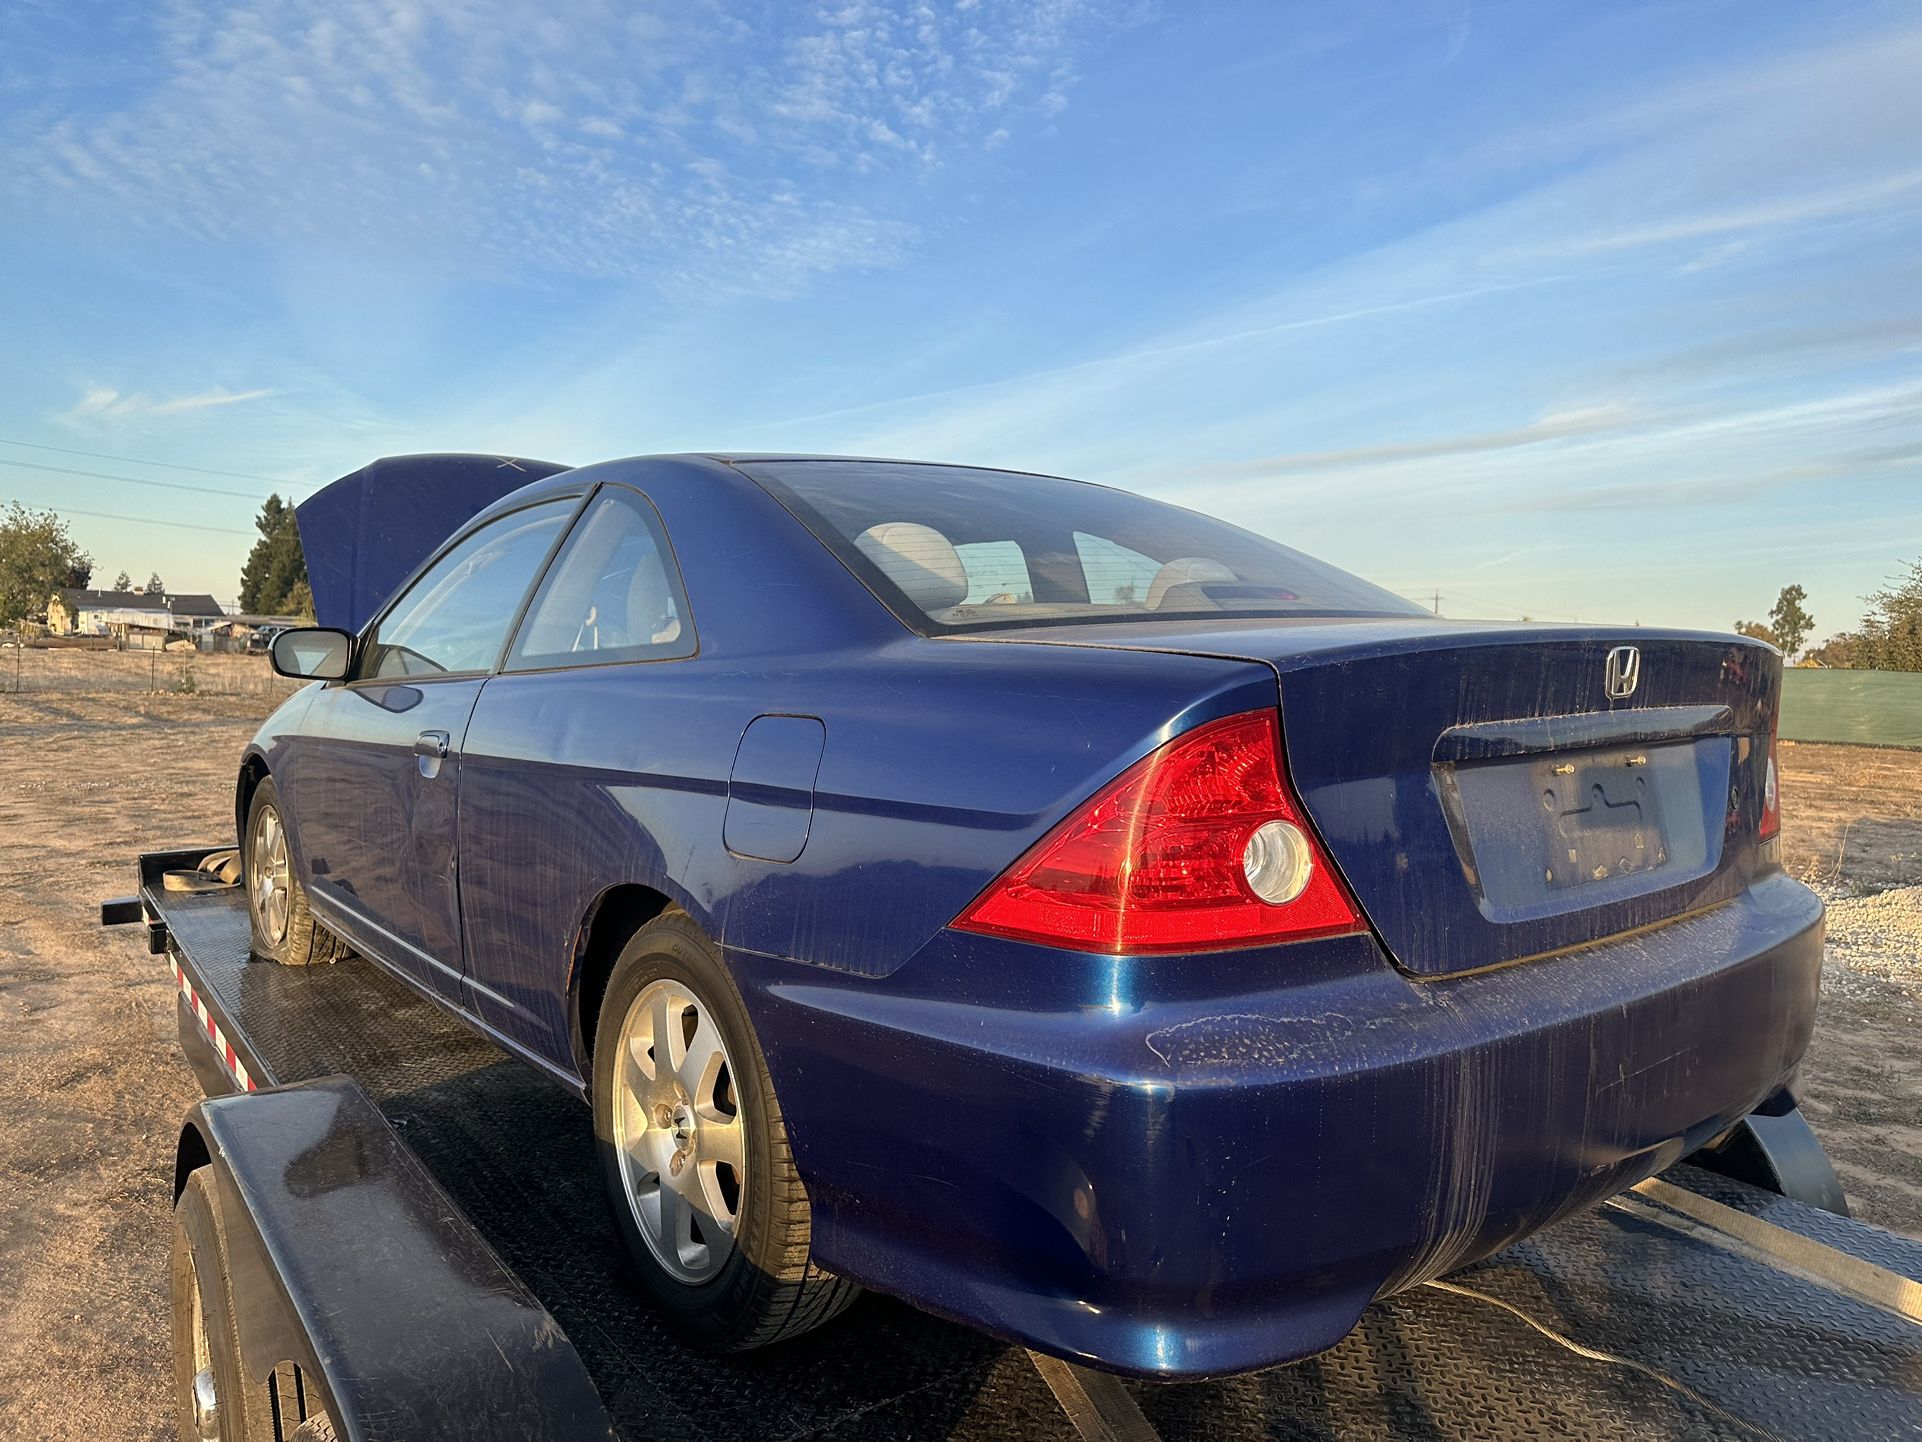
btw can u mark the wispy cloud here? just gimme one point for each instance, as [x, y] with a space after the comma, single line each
[1561, 426]
[1391, 339]
[499, 136]
[106, 403]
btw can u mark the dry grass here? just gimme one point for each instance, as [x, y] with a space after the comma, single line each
[30, 670]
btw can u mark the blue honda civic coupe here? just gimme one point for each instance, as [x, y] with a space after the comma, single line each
[1075, 915]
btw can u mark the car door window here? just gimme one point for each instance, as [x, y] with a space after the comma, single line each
[456, 616]
[997, 572]
[613, 593]
[1116, 575]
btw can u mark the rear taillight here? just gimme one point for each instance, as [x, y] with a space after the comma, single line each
[1196, 847]
[1771, 795]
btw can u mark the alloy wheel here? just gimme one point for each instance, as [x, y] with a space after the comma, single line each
[678, 1129]
[269, 878]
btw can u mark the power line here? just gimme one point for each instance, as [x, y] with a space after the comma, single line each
[1436, 597]
[151, 521]
[1508, 606]
[138, 461]
[131, 480]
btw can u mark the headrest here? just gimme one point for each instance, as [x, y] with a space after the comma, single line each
[918, 559]
[1184, 571]
[648, 601]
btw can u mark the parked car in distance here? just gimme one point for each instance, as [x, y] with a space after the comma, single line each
[1076, 915]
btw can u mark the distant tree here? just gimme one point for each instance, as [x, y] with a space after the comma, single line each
[37, 558]
[1844, 651]
[1755, 629]
[155, 586]
[1890, 636]
[1892, 631]
[274, 580]
[123, 582]
[1790, 623]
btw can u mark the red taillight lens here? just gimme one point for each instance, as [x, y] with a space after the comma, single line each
[1771, 795]
[1177, 854]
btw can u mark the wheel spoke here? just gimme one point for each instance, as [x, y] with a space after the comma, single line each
[700, 1067]
[664, 1024]
[724, 1139]
[677, 1218]
[639, 1058]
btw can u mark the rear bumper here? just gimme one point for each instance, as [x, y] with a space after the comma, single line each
[1208, 1185]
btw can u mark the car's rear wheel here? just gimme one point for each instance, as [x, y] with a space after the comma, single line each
[284, 927]
[694, 1152]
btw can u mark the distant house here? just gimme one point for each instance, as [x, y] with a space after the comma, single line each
[132, 617]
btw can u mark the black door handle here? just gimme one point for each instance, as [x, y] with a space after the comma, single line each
[432, 743]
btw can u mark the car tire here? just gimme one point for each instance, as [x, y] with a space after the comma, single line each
[211, 1392]
[284, 926]
[722, 1284]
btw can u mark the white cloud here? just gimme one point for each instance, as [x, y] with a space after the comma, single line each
[106, 403]
[477, 135]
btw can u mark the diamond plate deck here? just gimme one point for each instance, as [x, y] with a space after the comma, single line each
[1696, 1339]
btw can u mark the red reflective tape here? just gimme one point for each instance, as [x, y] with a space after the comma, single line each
[223, 1048]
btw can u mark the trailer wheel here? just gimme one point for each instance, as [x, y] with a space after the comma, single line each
[694, 1153]
[284, 927]
[213, 1399]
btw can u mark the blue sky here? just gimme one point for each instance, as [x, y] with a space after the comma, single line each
[1607, 311]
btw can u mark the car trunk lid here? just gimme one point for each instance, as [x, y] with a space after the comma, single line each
[1485, 796]
[365, 533]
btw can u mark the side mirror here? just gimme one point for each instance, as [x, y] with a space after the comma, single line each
[312, 653]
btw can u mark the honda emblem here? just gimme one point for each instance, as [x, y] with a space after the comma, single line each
[1624, 672]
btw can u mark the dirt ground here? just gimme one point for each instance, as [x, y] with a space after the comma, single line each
[92, 1086]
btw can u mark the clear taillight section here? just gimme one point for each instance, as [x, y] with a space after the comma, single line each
[1196, 847]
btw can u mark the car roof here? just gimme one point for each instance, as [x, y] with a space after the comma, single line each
[725, 465]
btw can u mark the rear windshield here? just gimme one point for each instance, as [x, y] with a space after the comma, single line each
[951, 549]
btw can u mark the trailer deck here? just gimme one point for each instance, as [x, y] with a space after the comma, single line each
[1714, 1311]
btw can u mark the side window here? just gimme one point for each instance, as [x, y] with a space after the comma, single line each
[455, 617]
[997, 571]
[613, 593]
[1116, 576]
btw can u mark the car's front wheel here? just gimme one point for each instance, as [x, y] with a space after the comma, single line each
[695, 1155]
[284, 927]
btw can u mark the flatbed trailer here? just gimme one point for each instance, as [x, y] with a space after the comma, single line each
[413, 1234]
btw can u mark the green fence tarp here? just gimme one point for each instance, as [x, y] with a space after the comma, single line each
[1872, 708]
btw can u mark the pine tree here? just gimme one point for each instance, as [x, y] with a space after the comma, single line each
[274, 580]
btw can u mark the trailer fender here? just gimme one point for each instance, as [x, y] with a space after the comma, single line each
[347, 1260]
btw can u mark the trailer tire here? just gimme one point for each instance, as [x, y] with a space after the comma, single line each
[206, 1338]
[769, 1287]
[285, 928]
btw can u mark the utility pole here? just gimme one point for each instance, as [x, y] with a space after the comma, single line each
[1438, 603]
